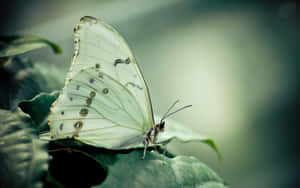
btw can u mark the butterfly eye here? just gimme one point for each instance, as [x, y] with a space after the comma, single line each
[97, 66]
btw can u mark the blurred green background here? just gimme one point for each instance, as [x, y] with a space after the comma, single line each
[236, 62]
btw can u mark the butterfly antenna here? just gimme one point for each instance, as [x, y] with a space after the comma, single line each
[170, 108]
[182, 108]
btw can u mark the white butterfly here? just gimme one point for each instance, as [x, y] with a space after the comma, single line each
[105, 101]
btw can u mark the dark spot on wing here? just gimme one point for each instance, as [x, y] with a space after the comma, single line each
[92, 80]
[133, 85]
[105, 91]
[122, 61]
[61, 126]
[76, 41]
[76, 28]
[92, 93]
[117, 61]
[88, 101]
[78, 125]
[83, 112]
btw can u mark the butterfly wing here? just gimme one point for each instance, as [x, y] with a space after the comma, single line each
[105, 101]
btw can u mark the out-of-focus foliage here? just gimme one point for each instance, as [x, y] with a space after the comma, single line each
[23, 156]
[18, 44]
[18, 81]
[21, 79]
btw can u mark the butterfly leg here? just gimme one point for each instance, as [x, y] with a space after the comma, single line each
[145, 148]
[147, 141]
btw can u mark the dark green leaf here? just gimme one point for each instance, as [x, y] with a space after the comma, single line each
[39, 107]
[3, 60]
[19, 44]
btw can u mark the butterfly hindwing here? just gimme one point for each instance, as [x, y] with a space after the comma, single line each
[97, 108]
[105, 101]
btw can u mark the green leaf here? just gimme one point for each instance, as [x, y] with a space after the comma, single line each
[39, 107]
[175, 130]
[159, 171]
[126, 169]
[23, 157]
[19, 44]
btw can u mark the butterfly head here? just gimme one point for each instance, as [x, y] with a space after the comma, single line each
[161, 126]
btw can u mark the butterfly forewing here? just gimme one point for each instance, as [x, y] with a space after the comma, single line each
[105, 96]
